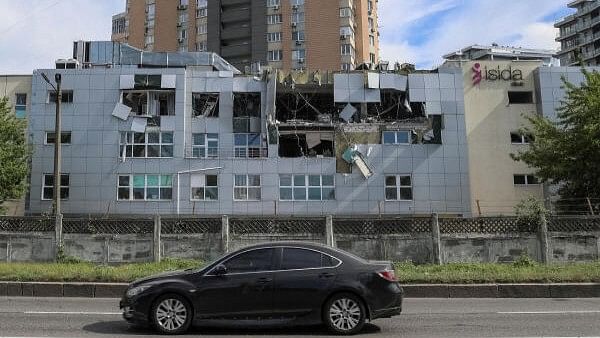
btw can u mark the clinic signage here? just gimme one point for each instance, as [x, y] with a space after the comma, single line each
[495, 74]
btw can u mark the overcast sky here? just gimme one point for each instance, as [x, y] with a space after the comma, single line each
[34, 33]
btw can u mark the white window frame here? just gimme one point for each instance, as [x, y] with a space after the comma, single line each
[202, 178]
[297, 17]
[202, 28]
[273, 3]
[347, 49]
[346, 12]
[523, 137]
[66, 187]
[208, 137]
[248, 149]
[527, 179]
[274, 19]
[246, 187]
[131, 187]
[396, 132]
[307, 187]
[131, 144]
[275, 55]
[274, 37]
[398, 187]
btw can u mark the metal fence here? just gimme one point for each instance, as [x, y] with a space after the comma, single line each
[239, 226]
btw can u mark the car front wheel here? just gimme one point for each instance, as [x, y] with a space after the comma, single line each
[171, 314]
[344, 314]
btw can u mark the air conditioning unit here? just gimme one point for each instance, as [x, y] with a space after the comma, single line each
[276, 7]
[298, 42]
[370, 12]
[295, 7]
[372, 30]
[182, 7]
[294, 24]
[180, 40]
[301, 60]
[343, 37]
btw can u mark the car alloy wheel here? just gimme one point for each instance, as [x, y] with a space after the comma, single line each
[345, 314]
[172, 314]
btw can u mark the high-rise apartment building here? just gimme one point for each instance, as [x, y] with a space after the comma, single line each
[285, 34]
[579, 34]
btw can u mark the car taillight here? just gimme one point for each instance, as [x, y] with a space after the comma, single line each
[388, 275]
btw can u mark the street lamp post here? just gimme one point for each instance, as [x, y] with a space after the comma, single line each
[57, 158]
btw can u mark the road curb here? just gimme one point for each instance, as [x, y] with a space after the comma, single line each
[116, 290]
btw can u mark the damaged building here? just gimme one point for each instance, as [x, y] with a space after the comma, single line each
[187, 133]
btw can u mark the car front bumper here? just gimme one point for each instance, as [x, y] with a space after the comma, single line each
[133, 312]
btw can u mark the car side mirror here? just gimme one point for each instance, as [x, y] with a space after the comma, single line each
[220, 270]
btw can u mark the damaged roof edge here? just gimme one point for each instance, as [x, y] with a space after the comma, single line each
[102, 53]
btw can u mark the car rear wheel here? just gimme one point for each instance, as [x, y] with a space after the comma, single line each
[171, 314]
[344, 314]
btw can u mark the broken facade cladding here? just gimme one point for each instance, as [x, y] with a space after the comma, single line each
[187, 133]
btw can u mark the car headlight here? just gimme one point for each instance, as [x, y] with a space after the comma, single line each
[137, 290]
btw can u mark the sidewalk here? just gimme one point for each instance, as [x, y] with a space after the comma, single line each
[116, 290]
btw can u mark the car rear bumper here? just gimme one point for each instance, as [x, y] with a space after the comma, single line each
[393, 304]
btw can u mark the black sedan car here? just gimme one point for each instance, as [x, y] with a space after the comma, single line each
[269, 284]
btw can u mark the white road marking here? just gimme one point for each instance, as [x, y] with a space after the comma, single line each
[70, 313]
[546, 312]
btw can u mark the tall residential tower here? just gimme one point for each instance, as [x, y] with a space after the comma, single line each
[579, 34]
[285, 34]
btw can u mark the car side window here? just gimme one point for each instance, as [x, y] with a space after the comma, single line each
[251, 261]
[295, 258]
[328, 261]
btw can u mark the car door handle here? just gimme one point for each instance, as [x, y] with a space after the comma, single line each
[326, 275]
[264, 280]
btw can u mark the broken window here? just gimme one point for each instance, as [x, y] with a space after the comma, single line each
[152, 103]
[66, 96]
[398, 188]
[515, 97]
[306, 187]
[147, 81]
[205, 187]
[205, 104]
[394, 106]
[246, 104]
[146, 145]
[303, 143]
[301, 106]
[65, 137]
[248, 146]
[397, 137]
[48, 187]
[434, 135]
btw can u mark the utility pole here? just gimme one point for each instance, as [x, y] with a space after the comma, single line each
[57, 158]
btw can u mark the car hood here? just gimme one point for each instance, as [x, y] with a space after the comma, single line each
[161, 276]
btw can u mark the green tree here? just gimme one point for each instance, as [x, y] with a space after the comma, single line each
[14, 155]
[566, 152]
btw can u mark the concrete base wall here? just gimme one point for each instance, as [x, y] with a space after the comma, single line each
[418, 248]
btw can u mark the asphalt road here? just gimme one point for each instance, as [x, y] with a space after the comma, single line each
[65, 317]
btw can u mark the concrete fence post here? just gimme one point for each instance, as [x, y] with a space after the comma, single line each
[330, 237]
[225, 233]
[544, 240]
[436, 239]
[58, 231]
[156, 238]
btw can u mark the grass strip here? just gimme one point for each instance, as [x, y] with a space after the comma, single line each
[518, 272]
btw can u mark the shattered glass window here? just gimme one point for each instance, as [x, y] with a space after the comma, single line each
[398, 188]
